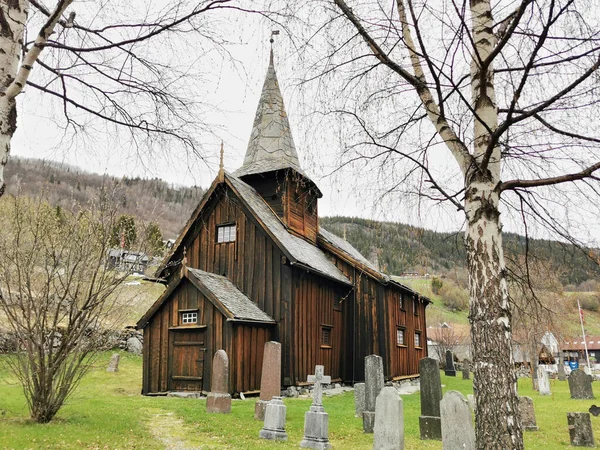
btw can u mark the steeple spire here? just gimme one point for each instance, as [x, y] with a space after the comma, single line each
[271, 146]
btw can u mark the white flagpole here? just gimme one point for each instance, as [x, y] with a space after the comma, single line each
[587, 357]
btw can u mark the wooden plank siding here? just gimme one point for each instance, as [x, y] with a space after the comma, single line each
[313, 310]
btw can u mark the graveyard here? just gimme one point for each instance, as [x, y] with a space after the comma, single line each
[107, 411]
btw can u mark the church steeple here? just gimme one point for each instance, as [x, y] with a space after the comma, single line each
[271, 146]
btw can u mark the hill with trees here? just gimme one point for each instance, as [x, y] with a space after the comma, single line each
[152, 200]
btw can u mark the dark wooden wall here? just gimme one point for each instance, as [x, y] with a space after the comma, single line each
[314, 299]
[163, 361]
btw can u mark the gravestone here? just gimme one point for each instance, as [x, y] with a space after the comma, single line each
[580, 429]
[431, 393]
[316, 420]
[359, 398]
[219, 399]
[580, 385]
[373, 384]
[471, 400]
[527, 414]
[594, 410]
[389, 421]
[113, 364]
[543, 381]
[561, 367]
[450, 370]
[270, 381]
[457, 424]
[466, 369]
[274, 426]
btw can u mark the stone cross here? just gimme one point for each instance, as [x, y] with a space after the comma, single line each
[319, 378]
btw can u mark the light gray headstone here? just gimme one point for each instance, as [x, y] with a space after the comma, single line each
[389, 421]
[274, 425]
[580, 429]
[316, 420]
[113, 364]
[543, 381]
[527, 414]
[457, 424]
[580, 385]
[374, 382]
[359, 398]
[431, 394]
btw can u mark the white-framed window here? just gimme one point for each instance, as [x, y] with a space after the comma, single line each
[417, 339]
[400, 336]
[226, 233]
[189, 317]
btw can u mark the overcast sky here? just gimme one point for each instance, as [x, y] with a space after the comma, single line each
[233, 88]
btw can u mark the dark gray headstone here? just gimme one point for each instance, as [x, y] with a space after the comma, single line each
[580, 429]
[580, 385]
[431, 393]
[389, 420]
[466, 369]
[374, 382]
[527, 414]
[457, 423]
[359, 398]
[562, 376]
[450, 370]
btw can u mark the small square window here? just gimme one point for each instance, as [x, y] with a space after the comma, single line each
[417, 339]
[226, 233]
[189, 317]
[326, 336]
[400, 336]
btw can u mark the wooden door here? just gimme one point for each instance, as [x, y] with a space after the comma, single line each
[187, 363]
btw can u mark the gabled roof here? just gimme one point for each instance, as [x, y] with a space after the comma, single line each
[231, 302]
[347, 248]
[271, 145]
[299, 252]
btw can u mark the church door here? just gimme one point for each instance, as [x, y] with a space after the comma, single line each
[187, 363]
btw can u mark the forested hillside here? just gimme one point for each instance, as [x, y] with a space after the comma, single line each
[403, 248]
[147, 199]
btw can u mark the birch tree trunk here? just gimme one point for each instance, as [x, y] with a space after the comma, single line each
[13, 15]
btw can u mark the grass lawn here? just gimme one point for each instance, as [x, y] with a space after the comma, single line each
[107, 412]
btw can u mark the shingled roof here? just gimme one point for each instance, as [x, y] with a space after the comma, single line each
[271, 146]
[239, 306]
[302, 252]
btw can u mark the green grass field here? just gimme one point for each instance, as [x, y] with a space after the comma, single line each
[108, 412]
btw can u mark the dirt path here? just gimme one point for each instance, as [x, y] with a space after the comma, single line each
[165, 427]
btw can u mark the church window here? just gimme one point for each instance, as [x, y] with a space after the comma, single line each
[188, 318]
[400, 337]
[415, 306]
[326, 336]
[417, 339]
[226, 233]
[401, 302]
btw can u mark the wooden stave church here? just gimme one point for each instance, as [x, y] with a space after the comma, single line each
[275, 275]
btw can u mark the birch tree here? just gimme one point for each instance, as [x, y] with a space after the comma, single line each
[490, 107]
[112, 62]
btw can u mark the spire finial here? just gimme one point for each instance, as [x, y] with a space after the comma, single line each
[271, 40]
[221, 167]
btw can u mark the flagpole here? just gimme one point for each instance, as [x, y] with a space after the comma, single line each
[587, 357]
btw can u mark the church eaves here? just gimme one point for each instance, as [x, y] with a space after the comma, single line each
[271, 146]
